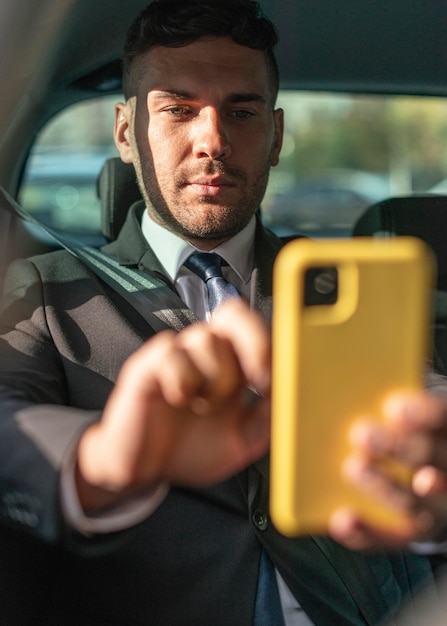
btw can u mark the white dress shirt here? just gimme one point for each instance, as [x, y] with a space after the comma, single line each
[172, 251]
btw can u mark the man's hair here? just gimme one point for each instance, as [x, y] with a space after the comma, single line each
[176, 23]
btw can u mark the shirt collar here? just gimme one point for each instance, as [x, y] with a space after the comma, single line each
[172, 251]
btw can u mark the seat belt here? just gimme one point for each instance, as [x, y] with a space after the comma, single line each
[157, 304]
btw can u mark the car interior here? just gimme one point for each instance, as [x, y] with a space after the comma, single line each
[58, 56]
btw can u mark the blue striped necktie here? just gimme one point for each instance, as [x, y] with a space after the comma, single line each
[268, 610]
[208, 266]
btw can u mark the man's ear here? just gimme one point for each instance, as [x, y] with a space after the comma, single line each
[121, 131]
[279, 133]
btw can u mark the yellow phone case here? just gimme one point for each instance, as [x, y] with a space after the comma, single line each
[333, 363]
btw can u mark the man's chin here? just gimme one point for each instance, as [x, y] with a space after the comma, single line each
[205, 220]
[213, 230]
[215, 235]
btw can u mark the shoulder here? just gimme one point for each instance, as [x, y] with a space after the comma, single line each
[58, 265]
[54, 278]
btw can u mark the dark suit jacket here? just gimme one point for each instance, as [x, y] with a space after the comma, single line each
[195, 560]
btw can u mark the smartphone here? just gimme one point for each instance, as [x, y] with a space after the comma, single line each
[351, 325]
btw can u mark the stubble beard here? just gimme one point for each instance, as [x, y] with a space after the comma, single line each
[207, 218]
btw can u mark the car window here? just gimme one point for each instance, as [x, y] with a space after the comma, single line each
[341, 153]
[59, 181]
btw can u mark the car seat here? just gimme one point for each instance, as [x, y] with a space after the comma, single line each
[423, 216]
[117, 190]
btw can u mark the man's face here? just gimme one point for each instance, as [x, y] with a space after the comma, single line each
[202, 134]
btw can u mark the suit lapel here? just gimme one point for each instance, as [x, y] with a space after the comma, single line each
[267, 247]
[153, 294]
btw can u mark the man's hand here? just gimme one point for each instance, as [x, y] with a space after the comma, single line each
[181, 411]
[416, 434]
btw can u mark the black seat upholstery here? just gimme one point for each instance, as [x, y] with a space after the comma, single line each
[423, 216]
[117, 190]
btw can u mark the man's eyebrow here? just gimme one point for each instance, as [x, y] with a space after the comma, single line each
[246, 97]
[234, 98]
[172, 93]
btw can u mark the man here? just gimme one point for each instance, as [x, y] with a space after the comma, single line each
[136, 457]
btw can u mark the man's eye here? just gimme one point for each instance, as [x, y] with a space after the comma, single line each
[242, 114]
[178, 111]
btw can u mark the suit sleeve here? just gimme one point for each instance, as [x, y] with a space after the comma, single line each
[36, 426]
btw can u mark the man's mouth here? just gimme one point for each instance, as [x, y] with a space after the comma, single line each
[210, 186]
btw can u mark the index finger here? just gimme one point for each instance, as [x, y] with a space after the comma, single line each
[250, 339]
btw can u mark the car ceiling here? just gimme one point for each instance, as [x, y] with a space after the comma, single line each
[54, 52]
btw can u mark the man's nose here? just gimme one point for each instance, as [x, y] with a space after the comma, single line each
[210, 136]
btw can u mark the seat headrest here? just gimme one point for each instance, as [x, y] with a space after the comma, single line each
[423, 216]
[117, 190]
